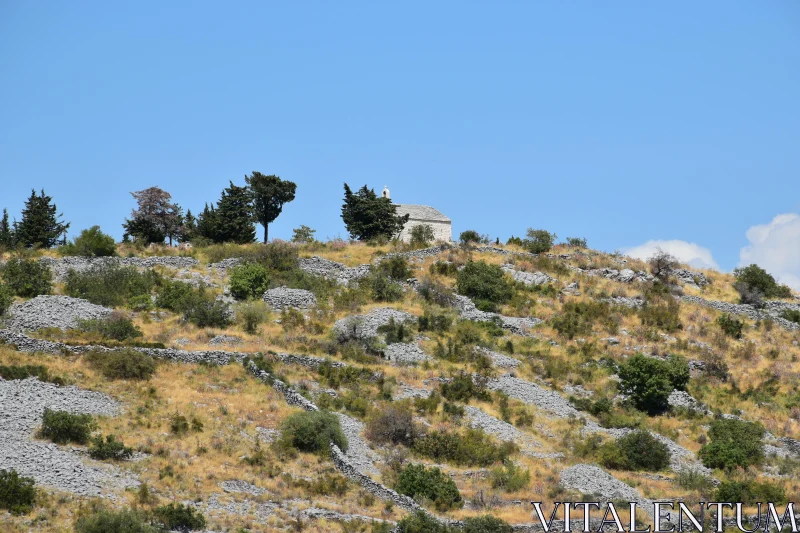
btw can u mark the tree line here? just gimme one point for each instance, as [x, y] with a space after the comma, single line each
[158, 218]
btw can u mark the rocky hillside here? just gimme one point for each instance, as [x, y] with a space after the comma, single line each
[346, 387]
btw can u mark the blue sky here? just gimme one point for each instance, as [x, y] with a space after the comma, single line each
[621, 122]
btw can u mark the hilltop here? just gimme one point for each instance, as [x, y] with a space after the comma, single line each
[298, 387]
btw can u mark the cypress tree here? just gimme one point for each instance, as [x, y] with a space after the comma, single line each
[367, 216]
[6, 233]
[40, 225]
[188, 228]
[235, 216]
[207, 226]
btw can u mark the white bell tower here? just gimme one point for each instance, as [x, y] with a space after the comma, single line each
[385, 192]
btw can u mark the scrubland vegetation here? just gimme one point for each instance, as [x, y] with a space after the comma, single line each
[614, 370]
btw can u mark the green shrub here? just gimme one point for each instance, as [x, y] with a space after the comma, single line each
[396, 331]
[109, 448]
[469, 236]
[431, 321]
[509, 477]
[62, 427]
[203, 310]
[303, 234]
[179, 517]
[123, 521]
[539, 241]
[110, 284]
[471, 448]
[17, 493]
[395, 267]
[750, 492]
[90, 243]
[485, 524]
[123, 364]
[696, 481]
[443, 268]
[422, 235]
[313, 431]
[791, 315]
[382, 288]
[421, 522]
[142, 302]
[324, 485]
[577, 318]
[249, 281]
[483, 281]
[6, 299]
[117, 326]
[24, 372]
[638, 450]
[576, 242]
[431, 484]
[598, 407]
[648, 381]
[732, 327]
[171, 294]
[734, 443]
[274, 256]
[754, 283]
[463, 388]
[394, 425]
[179, 424]
[26, 277]
[252, 315]
[661, 313]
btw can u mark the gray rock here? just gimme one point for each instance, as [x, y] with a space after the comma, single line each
[24, 402]
[533, 394]
[684, 399]
[328, 269]
[62, 312]
[500, 429]
[500, 360]
[405, 354]
[528, 278]
[61, 266]
[360, 455]
[237, 485]
[518, 325]
[591, 479]
[225, 339]
[284, 298]
[363, 327]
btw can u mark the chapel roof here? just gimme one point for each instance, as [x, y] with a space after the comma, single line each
[421, 212]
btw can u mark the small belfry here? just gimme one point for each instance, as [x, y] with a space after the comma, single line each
[385, 192]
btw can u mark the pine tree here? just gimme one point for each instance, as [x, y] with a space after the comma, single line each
[269, 193]
[40, 225]
[235, 216]
[6, 233]
[368, 216]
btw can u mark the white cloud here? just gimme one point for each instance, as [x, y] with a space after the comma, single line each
[775, 247]
[686, 252]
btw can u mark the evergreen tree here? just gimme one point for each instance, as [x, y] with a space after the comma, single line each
[367, 216]
[269, 193]
[189, 227]
[235, 216]
[6, 233]
[40, 225]
[207, 225]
